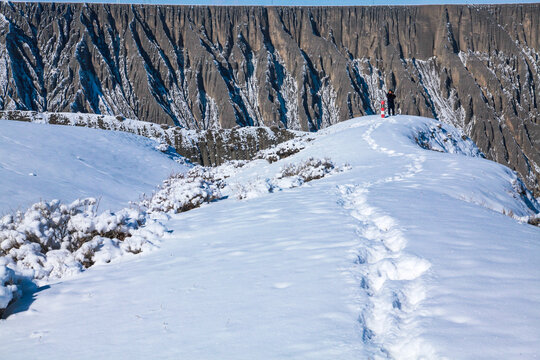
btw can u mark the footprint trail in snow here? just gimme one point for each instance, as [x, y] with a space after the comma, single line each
[390, 278]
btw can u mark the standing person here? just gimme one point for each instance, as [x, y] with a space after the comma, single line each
[390, 96]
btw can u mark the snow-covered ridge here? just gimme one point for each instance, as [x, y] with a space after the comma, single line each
[397, 252]
[56, 238]
[390, 276]
[207, 147]
[52, 240]
[44, 162]
[120, 59]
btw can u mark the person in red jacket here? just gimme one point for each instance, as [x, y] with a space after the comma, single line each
[390, 96]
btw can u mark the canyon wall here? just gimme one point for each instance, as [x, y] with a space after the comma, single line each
[300, 68]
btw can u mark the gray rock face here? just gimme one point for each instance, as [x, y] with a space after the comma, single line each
[476, 67]
[210, 147]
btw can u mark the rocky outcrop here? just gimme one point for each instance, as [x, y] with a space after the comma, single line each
[300, 68]
[209, 147]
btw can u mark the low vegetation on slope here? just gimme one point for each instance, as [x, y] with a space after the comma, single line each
[52, 240]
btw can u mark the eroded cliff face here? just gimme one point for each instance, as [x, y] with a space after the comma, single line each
[306, 68]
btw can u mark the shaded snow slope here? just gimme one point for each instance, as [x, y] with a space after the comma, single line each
[39, 161]
[403, 254]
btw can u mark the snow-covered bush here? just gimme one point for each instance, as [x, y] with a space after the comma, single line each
[51, 240]
[185, 191]
[534, 220]
[445, 139]
[163, 147]
[308, 170]
[520, 192]
[254, 189]
[290, 176]
[281, 151]
[8, 288]
[48, 226]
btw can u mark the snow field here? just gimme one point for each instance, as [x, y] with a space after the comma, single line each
[45, 162]
[405, 255]
[478, 293]
[387, 320]
[57, 239]
[52, 240]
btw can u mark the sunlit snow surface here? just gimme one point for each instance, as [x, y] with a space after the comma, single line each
[405, 255]
[45, 162]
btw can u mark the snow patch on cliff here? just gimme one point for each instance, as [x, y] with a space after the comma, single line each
[446, 108]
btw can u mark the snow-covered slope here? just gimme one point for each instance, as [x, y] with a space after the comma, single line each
[398, 252]
[39, 161]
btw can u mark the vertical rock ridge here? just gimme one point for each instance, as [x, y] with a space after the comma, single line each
[302, 68]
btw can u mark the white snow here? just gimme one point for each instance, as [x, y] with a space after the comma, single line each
[446, 107]
[399, 252]
[46, 162]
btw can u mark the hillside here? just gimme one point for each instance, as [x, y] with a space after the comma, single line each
[46, 162]
[404, 243]
[303, 68]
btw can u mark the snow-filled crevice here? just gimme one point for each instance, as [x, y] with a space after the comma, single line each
[275, 76]
[360, 85]
[177, 91]
[444, 108]
[368, 81]
[178, 48]
[89, 81]
[4, 79]
[64, 28]
[207, 106]
[288, 96]
[312, 85]
[250, 90]
[155, 82]
[240, 109]
[27, 72]
[329, 108]
[97, 35]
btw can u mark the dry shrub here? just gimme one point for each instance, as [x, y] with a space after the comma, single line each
[185, 191]
[281, 151]
[52, 239]
[534, 221]
[308, 170]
